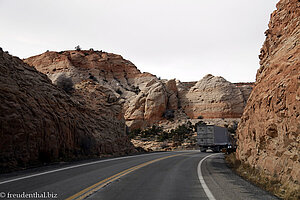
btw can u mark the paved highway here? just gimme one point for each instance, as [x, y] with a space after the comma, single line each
[163, 175]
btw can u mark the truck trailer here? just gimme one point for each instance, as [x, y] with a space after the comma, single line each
[213, 137]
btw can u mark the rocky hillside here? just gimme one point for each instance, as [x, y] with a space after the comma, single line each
[269, 132]
[146, 99]
[40, 122]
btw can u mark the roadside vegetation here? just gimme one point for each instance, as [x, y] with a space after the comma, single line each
[261, 179]
[65, 83]
[177, 134]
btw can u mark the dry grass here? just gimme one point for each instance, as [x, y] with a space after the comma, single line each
[262, 180]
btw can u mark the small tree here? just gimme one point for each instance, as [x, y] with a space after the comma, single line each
[78, 48]
[65, 83]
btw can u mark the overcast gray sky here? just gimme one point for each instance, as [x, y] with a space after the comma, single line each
[182, 39]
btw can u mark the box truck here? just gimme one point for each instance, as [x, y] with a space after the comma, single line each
[213, 137]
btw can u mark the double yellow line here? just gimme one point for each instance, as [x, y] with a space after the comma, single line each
[97, 186]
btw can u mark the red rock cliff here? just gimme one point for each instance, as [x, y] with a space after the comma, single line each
[269, 132]
[41, 123]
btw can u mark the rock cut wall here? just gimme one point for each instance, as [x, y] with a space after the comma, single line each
[41, 123]
[269, 131]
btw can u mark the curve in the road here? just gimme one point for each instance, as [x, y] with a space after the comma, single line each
[143, 177]
[207, 191]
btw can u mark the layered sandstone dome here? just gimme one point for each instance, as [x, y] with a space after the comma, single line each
[214, 97]
[269, 132]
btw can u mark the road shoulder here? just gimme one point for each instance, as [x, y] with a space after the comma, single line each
[225, 184]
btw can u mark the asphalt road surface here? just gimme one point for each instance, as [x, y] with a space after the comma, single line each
[164, 175]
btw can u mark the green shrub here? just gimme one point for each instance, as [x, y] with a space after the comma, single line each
[154, 130]
[178, 134]
[181, 132]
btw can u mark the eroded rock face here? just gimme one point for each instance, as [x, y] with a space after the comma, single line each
[146, 99]
[135, 91]
[269, 131]
[41, 123]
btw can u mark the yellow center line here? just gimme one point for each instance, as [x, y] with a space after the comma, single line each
[97, 186]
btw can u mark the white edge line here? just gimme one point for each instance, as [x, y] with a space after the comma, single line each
[75, 166]
[207, 191]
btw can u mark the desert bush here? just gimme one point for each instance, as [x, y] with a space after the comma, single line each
[135, 89]
[190, 125]
[132, 134]
[169, 114]
[181, 132]
[178, 134]
[119, 91]
[78, 48]
[164, 136]
[91, 76]
[150, 132]
[65, 83]
[233, 127]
